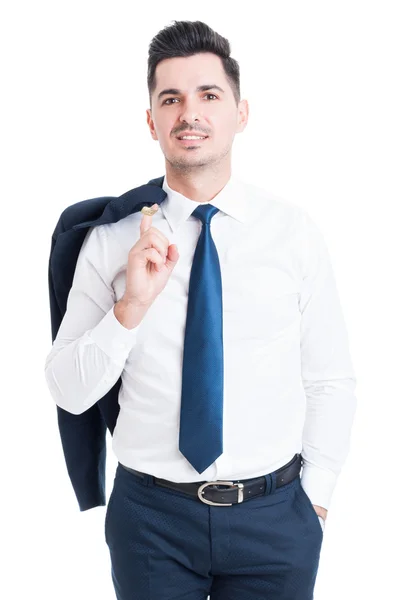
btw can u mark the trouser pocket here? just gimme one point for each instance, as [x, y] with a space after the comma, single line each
[311, 510]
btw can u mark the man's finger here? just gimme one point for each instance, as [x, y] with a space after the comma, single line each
[146, 221]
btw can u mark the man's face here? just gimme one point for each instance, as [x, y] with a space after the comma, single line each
[210, 112]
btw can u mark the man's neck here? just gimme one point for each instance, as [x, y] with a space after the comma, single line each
[198, 187]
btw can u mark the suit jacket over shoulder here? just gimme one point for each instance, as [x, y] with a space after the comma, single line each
[83, 436]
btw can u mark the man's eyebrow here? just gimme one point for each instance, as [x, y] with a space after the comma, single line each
[200, 88]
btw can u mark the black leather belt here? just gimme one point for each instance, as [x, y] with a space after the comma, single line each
[233, 492]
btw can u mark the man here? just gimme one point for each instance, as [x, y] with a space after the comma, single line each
[219, 310]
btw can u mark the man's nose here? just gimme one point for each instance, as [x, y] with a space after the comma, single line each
[190, 111]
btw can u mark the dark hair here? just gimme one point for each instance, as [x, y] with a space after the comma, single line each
[186, 38]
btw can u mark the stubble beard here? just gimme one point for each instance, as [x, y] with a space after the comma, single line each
[190, 163]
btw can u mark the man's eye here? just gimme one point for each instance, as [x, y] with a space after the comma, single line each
[167, 101]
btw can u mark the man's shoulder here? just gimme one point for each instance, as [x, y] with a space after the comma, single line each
[108, 209]
[81, 211]
[269, 204]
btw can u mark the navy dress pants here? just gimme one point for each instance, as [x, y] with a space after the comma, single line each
[166, 545]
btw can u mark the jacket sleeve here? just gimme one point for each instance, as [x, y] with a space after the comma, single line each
[91, 347]
[327, 372]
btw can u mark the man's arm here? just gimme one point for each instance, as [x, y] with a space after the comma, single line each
[327, 372]
[95, 336]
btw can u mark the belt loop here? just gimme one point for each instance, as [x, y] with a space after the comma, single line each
[268, 484]
[270, 479]
[148, 480]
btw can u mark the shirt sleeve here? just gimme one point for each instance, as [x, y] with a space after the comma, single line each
[327, 372]
[91, 347]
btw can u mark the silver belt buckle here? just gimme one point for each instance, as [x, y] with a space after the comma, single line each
[230, 483]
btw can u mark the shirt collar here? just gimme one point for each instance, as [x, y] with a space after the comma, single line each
[232, 200]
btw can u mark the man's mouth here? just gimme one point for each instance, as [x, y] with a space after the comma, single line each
[191, 139]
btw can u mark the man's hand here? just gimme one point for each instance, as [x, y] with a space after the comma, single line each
[149, 265]
[320, 511]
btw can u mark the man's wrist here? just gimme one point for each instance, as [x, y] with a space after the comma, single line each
[129, 315]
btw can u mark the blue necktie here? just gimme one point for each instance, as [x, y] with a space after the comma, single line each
[201, 416]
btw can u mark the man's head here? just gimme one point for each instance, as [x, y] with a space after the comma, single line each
[194, 87]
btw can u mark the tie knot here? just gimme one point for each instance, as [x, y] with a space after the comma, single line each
[205, 212]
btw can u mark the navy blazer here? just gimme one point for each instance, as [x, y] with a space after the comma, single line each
[83, 436]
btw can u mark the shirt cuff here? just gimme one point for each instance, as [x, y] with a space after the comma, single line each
[113, 338]
[318, 484]
[322, 522]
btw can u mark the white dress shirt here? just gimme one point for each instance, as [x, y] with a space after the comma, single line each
[288, 378]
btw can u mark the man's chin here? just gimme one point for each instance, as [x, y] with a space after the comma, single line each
[188, 162]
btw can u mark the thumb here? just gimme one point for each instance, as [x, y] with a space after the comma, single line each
[172, 256]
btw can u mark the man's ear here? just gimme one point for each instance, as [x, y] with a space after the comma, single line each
[243, 115]
[151, 125]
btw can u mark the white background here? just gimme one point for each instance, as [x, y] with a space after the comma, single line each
[320, 78]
